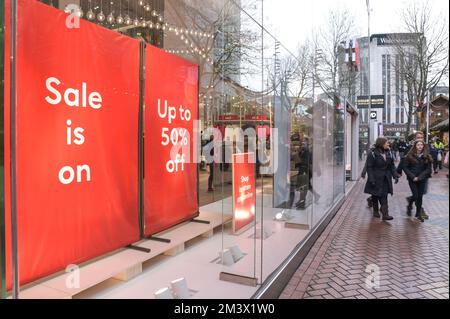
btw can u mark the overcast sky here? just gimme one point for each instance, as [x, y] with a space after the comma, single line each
[293, 20]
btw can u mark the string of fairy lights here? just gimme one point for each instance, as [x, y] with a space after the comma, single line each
[156, 22]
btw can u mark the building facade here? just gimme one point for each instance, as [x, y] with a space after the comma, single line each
[387, 84]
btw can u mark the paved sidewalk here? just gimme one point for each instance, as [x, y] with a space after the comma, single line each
[412, 257]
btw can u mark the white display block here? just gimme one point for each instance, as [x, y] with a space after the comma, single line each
[164, 293]
[283, 216]
[236, 253]
[226, 257]
[180, 288]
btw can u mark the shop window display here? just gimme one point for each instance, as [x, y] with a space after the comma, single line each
[248, 106]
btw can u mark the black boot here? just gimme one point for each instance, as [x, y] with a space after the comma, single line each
[375, 208]
[409, 207]
[419, 215]
[409, 210]
[369, 202]
[385, 212]
[424, 215]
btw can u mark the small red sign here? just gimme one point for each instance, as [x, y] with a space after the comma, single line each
[244, 191]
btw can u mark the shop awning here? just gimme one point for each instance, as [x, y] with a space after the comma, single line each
[441, 126]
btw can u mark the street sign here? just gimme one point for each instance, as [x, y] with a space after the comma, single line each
[376, 102]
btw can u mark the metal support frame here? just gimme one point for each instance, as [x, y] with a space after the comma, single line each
[141, 138]
[138, 248]
[2, 160]
[369, 137]
[207, 222]
[14, 245]
[162, 240]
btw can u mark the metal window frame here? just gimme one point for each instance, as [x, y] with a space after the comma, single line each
[2, 158]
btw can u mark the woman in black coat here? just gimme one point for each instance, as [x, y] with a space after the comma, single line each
[417, 167]
[380, 170]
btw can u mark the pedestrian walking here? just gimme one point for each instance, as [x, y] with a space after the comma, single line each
[381, 171]
[439, 146]
[363, 176]
[394, 149]
[402, 148]
[417, 167]
[434, 153]
[418, 137]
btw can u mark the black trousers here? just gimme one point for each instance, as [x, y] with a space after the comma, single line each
[437, 164]
[211, 175]
[418, 190]
[380, 203]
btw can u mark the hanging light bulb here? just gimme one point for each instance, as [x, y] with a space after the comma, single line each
[141, 2]
[154, 13]
[157, 26]
[163, 27]
[119, 19]
[143, 23]
[128, 20]
[110, 18]
[160, 19]
[101, 16]
[150, 25]
[147, 7]
[136, 20]
[90, 14]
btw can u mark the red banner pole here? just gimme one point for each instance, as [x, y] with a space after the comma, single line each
[14, 250]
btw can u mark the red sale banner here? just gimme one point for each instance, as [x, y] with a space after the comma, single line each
[170, 168]
[77, 152]
[244, 191]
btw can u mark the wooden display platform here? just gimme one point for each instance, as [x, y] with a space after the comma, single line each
[126, 263]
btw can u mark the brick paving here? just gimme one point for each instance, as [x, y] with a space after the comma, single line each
[412, 257]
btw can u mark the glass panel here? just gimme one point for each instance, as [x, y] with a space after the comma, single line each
[239, 116]
[324, 155]
[339, 137]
